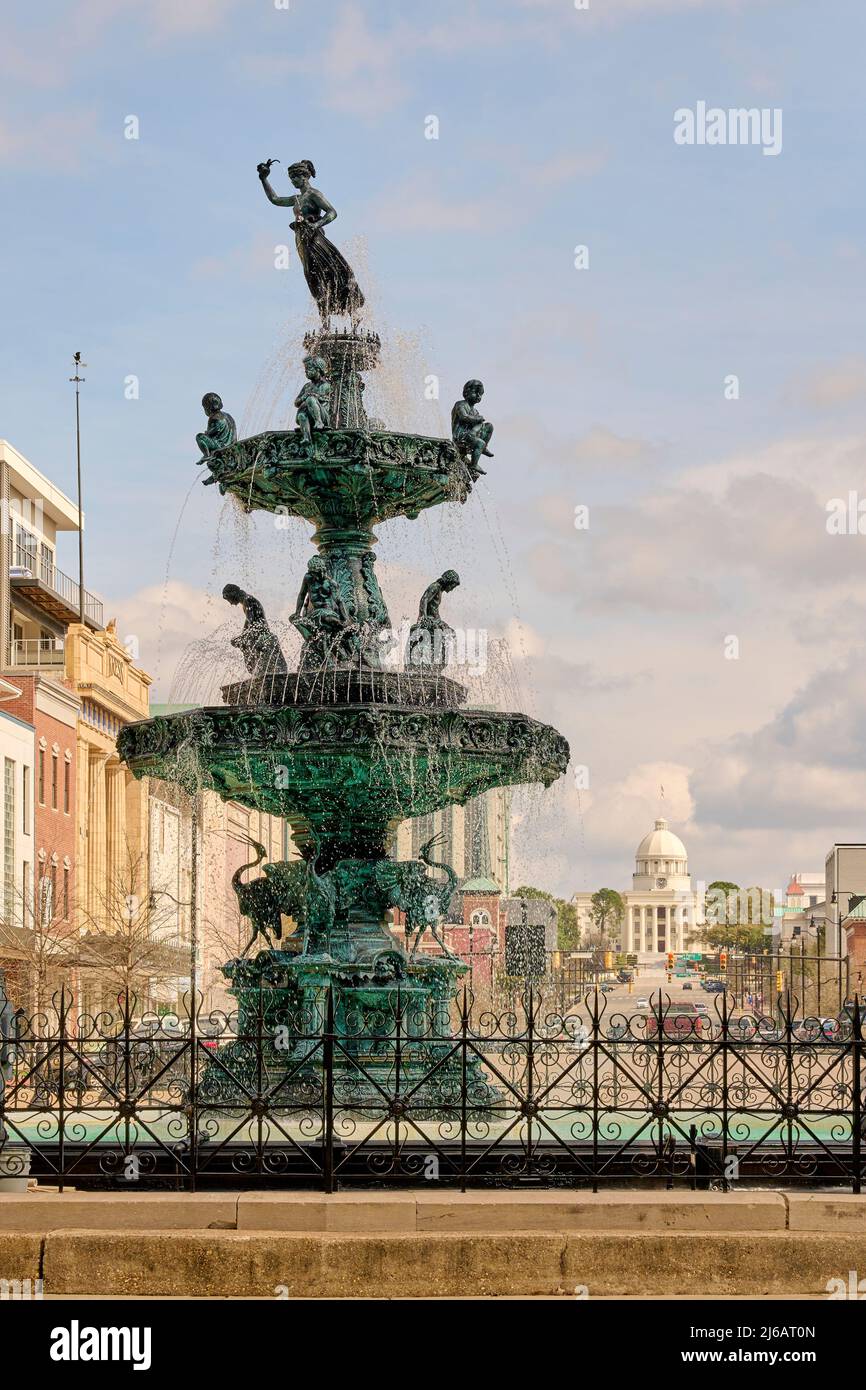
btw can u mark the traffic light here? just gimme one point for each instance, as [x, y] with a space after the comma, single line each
[723, 960]
[670, 960]
[780, 983]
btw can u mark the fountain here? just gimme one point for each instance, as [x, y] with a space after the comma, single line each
[345, 747]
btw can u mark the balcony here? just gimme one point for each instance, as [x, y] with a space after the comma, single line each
[37, 652]
[49, 589]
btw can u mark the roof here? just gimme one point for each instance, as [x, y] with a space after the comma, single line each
[479, 885]
[661, 843]
[28, 480]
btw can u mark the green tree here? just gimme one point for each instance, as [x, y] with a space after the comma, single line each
[567, 930]
[607, 910]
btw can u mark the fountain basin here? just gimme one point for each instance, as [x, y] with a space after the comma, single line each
[348, 480]
[347, 772]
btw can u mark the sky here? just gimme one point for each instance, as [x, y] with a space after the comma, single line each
[702, 631]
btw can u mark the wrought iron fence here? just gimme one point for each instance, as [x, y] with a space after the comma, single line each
[537, 1095]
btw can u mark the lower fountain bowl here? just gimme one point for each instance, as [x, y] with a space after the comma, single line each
[348, 773]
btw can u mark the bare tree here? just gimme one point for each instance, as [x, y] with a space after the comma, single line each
[42, 933]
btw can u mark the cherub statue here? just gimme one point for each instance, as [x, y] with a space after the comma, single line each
[314, 399]
[221, 428]
[469, 429]
[430, 638]
[323, 620]
[330, 279]
[259, 647]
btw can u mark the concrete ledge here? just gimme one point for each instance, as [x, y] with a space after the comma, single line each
[149, 1211]
[601, 1211]
[20, 1255]
[408, 1212]
[818, 1211]
[273, 1265]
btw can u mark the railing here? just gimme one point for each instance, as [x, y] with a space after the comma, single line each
[37, 651]
[41, 567]
[534, 1096]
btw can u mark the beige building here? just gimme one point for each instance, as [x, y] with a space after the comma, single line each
[223, 833]
[662, 912]
[112, 805]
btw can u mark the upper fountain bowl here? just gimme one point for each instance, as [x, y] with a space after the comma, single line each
[346, 480]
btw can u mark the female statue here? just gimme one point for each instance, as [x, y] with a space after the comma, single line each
[322, 619]
[257, 645]
[431, 640]
[329, 276]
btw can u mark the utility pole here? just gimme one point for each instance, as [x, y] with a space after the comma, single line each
[78, 379]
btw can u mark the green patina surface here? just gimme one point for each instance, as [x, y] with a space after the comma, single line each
[343, 758]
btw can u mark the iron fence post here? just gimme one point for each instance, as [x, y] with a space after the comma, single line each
[530, 1078]
[725, 1043]
[856, 1106]
[61, 1098]
[328, 1050]
[464, 1110]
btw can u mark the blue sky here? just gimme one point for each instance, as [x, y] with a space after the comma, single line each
[156, 257]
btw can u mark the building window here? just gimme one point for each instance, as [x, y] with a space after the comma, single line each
[25, 799]
[54, 781]
[65, 890]
[67, 777]
[41, 776]
[8, 834]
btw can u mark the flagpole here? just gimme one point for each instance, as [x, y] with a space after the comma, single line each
[78, 380]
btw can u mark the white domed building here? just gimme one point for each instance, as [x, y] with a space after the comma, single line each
[662, 913]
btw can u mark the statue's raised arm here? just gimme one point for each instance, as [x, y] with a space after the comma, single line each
[329, 276]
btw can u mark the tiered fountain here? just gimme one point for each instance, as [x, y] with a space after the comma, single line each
[344, 748]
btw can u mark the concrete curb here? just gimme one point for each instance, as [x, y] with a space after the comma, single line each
[588, 1264]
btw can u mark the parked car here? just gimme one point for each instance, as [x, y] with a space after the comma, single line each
[812, 1030]
[682, 1023]
[755, 1028]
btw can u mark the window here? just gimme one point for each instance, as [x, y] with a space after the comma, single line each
[41, 776]
[65, 890]
[54, 780]
[67, 778]
[25, 799]
[8, 834]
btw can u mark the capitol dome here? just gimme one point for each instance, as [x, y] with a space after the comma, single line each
[661, 852]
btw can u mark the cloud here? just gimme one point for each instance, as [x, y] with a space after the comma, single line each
[417, 206]
[564, 168]
[830, 387]
[600, 445]
[364, 70]
[804, 768]
[54, 143]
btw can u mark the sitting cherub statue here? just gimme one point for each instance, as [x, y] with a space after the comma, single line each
[314, 399]
[221, 428]
[469, 429]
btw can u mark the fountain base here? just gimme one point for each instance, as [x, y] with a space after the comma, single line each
[372, 1041]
